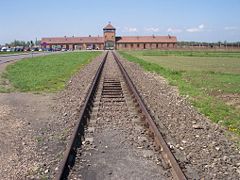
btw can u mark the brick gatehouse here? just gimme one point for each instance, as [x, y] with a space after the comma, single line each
[110, 41]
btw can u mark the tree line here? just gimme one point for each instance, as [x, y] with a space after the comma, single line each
[23, 43]
[209, 44]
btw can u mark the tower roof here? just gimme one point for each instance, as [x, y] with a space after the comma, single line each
[109, 27]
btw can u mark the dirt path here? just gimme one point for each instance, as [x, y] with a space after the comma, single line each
[24, 117]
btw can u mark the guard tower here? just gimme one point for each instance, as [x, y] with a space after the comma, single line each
[109, 33]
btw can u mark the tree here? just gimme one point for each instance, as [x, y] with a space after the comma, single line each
[37, 43]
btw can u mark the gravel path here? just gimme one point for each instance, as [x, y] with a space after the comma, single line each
[117, 145]
[196, 141]
[24, 120]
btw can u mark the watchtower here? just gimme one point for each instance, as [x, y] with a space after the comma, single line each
[109, 34]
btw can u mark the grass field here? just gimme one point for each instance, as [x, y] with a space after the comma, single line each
[46, 73]
[204, 79]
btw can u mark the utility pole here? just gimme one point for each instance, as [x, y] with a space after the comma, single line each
[31, 48]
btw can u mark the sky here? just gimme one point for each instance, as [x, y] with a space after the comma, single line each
[189, 20]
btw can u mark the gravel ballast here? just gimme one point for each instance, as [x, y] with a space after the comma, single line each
[70, 101]
[116, 144]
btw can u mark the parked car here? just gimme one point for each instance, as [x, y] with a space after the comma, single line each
[89, 48]
[12, 49]
[19, 48]
[27, 49]
[48, 49]
[34, 49]
[3, 49]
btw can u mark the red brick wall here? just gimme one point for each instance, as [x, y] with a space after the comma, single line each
[109, 36]
[140, 46]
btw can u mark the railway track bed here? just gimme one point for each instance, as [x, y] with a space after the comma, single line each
[112, 140]
[116, 139]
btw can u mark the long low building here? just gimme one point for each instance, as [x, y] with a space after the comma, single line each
[110, 41]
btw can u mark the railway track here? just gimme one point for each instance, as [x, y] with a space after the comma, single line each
[115, 130]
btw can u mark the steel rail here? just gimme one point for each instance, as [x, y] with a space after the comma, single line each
[75, 141]
[158, 138]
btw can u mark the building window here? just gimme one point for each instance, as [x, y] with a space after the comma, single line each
[157, 45]
[125, 45]
[138, 45]
[131, 45]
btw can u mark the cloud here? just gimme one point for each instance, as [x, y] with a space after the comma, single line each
[173, 30]
[201, 26]
[152, 29]
[196, 29]
[230, 28]
[130, 29]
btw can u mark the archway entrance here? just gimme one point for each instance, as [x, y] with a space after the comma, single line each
[109, 45]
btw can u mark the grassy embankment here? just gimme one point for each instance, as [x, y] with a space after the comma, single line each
[204, 76]
[46, 73]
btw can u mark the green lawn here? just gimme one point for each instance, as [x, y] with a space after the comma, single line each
[46, 73]
[204, 79]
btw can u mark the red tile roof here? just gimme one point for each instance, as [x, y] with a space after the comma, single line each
[146, 39]
[109, 27]
[122, 39]
[62, 40]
